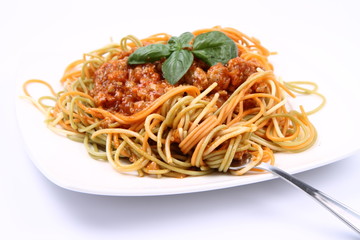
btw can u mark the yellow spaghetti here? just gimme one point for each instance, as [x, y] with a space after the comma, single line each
[186, 131]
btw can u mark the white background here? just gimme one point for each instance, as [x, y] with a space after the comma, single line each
[323, 33]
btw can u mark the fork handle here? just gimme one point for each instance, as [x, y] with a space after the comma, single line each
[350, 217]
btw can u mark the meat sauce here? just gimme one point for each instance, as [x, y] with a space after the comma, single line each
[127, 89]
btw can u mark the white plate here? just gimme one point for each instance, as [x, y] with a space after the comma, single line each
[67, 164]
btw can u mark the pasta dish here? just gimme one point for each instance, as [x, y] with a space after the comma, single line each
[179, 106]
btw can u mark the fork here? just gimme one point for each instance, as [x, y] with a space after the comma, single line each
[344, 213]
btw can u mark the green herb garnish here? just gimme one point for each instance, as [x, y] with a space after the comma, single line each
[211, 47]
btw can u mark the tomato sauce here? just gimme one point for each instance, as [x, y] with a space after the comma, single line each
[127, 89]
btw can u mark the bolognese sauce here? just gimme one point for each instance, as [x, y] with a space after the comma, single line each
[128, 89]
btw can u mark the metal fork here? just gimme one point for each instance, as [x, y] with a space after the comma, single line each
[344, 213]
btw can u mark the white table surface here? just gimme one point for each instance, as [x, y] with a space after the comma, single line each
[32, 207]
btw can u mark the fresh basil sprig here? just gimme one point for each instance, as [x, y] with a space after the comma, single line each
[211, 47]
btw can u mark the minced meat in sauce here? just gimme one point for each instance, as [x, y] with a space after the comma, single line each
[127, 89]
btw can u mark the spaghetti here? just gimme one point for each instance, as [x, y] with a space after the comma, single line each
[186, 130]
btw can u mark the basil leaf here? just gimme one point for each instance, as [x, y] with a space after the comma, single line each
[174, 44]
[177, 43]
[149, 53]
[175, 67]
[185, 39]
[214, 47]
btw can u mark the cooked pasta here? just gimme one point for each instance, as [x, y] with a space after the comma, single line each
[214, 117]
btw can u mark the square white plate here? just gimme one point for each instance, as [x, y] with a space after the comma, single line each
[67, 164]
